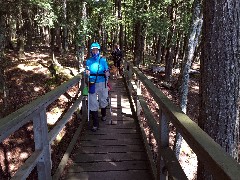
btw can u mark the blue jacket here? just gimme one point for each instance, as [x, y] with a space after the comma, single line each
[99, 66]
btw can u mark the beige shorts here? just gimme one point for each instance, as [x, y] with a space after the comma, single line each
[99, 98]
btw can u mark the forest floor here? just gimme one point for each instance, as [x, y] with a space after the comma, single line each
[29, 78]
[187, 157]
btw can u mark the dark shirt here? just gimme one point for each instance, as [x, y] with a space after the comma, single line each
[117, 55]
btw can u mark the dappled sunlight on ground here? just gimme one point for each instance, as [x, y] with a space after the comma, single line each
[27, 67]
[26, 80]
[16, 149]
[53, 115]
[29, 78]
[36, 55]
[188, 159]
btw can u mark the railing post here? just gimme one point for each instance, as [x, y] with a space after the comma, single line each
[129, 81]
[125, 68]
[137, 103]
[139, 90]
[129, 76]
[40, 127]
[82, 109]
[163, 143]
[81, 83]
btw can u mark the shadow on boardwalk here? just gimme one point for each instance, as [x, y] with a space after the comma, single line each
[115, 151]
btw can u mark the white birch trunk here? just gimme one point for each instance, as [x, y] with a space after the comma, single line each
[194, 33]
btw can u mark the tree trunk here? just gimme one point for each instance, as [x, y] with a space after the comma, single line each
[58, 38]
[177, 49]
[2, 59]
[170, 47]
[53, 38]
[29, 29]
[21, 38]
[125, 39]
[46, 35]
[220, 76]
[169, 64]
[65, 30]
[195, 30]
[119, 5]
[137, 44]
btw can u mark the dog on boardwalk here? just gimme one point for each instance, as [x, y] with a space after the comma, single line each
[115, 72]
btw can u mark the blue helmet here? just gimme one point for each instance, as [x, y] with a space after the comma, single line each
[95, 45]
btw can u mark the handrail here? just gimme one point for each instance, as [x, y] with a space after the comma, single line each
[59, 126]
[17, 119]
[220, 164]
[36, 112]
[28, 166]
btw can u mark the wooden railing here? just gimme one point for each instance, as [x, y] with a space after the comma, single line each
[218, 162]
[36, 112]
[215, 159]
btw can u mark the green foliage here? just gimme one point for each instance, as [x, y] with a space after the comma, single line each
[52, 83]
[45, 15]
[44, 4]
[99, 16]
[102, 14]
[46, 20]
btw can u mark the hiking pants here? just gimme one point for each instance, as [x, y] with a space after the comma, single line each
[99, 98]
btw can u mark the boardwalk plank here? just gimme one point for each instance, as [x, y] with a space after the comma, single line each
[111, 175]
[114, 151]
[111, 131]
[106, 149]
[108, 157]
[108, 166]
[108, 142]
[99, 135]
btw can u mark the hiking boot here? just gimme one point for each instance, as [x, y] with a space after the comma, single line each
[103, 113]
[95, 118]
[104, 118]
[94, 129]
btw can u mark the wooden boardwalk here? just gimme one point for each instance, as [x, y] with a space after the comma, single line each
[115, 151]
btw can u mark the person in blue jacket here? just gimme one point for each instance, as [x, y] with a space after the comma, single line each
[97, 72]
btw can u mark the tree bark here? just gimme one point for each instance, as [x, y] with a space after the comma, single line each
[137, 44]
[119, 7]
[195, 30]
[20, 32]
[2, 59]
[194, 33]
[220, 75]
[170, 49]
[65, 29]
[29, 29]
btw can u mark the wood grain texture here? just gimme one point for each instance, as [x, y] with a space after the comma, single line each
[114, 151]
